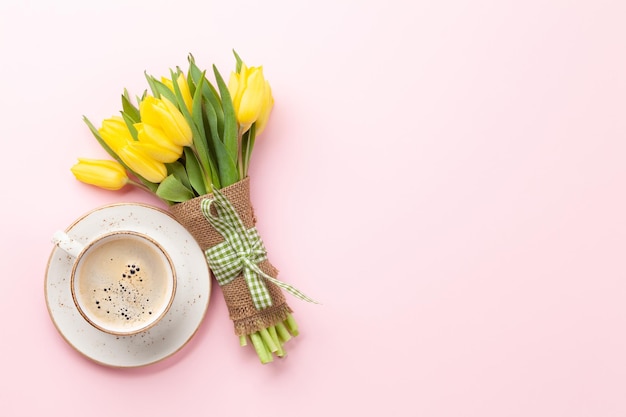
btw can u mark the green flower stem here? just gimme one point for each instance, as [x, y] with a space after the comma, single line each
[292, 325]
[140, 186]
[243, 340]
[240, 167]
[251, 134]
[283, 333]
[274, 335]
[267, 339]
[260, 348]
[240, 159]
[280, 351]
[267, 348]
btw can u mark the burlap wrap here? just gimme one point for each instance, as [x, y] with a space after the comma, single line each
[246, 318]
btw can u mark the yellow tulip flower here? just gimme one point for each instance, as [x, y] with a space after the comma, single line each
[183, 86]
[154, 142]
[161, 113]
[149, 168]
[115, 133]
[264, 115]
[109, 175]
[249, 90]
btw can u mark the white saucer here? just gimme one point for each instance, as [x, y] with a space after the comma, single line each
[177, 326]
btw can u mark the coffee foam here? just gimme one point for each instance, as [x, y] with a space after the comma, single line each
[123, 283]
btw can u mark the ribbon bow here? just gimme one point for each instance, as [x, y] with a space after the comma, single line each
[241, 251]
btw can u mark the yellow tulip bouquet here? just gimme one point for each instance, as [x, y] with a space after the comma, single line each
[189, 143]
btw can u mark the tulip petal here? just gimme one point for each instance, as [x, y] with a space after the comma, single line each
[168, 83]
[181, 81]
[250, 107]
[177, 126]
[184, 89]
[114, 132]
[147, 111]
[144, 166]
[161, 113]
[264, 115]
[105, 174]
[155, 143]
[248, 90]
[156, 152]
[234, 89]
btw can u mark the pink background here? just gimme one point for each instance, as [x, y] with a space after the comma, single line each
[447, 177]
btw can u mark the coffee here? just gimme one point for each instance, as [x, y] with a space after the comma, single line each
[123, 283]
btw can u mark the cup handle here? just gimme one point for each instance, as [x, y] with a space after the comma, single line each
[66, 243]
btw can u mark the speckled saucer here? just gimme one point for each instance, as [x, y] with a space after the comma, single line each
[172, 332]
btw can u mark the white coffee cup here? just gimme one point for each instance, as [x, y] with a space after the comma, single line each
[122, 282]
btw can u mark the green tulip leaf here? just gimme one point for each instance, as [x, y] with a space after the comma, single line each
[101, 141]
[194, 72]
[198, 116]
[160, 90]
[213, 97]
[131, 125]
[143, 95]
[165, 91]
[227, 167]
[212, 141]
[178, 170]
[211, 118]
[209, 93]
[199, 141]
[190, 83]
[151, 82]
[196, 108]
[213, 114]
[191, 59]
[239, 62]
[129, 108]
[194, 173]
[230, 120]
[171, 189]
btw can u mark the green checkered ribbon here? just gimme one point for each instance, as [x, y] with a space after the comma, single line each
[241, 251]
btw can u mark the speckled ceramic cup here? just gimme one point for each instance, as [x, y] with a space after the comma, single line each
[122, 283]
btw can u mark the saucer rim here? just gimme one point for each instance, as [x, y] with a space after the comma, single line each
[55, 250]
